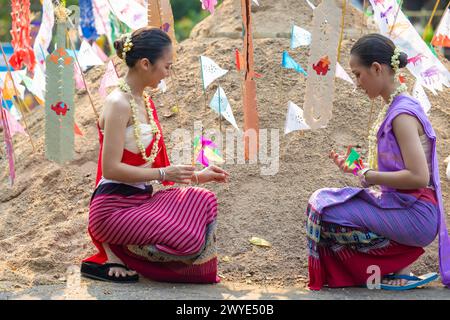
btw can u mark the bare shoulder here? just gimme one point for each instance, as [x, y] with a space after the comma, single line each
[407, 123]
[117, 102]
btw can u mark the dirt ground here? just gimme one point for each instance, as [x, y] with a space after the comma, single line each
[43, 218]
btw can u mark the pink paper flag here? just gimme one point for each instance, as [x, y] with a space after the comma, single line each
[99, 52]
[13, 125]
[8, 144]
[209, 5]
[110, 79]
[78, 78]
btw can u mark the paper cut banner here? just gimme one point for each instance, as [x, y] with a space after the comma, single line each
[419, 94]
[294, 119]
[220, 104]
[109, 79]
[210, 71]
[44, 36]
[87, 56]
[300, 37]
[442, 35]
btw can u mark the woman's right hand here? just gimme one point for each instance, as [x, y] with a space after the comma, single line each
[179, 174]
[339, 160]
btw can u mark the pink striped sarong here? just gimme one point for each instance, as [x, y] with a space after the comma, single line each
[165, 236]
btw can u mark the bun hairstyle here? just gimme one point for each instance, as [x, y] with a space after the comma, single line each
[376, 48]
[148, 42]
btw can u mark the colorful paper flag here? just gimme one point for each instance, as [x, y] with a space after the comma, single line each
[101, 16]
[206, 151]
[210, 71]
[87, 56]
[442, 35]
[423, 64]
[110, 79]
[290, 63]
[220, 104]
[300, 37]
[294, 119]
[87, 20]
[419, 94]
[44, 35]
[100, 53]
[130, 12]
[13, 125]
[209, 5]
[20, 33]
[8, 144]
[341, 73]
[79, 83]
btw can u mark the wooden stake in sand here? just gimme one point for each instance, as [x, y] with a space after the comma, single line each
[251, 118]
[16, 91]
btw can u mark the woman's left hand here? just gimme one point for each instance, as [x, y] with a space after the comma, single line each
[213, 173]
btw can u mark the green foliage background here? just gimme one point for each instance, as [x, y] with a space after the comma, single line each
[187, 13]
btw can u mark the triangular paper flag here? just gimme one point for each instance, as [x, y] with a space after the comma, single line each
[87, 56]
[210, 71]
[162, 86]
[44, 36]
[300, 37]
[419, 94]
[294, 119]
[99, 52]
[442, 35]
[220, 104]
[77, 130]
[13, 124]
[79, 84]
[290, 63]
[8, 91]
[310, 4]
[131, 12]
[38, 86]
[110, 79]
[212, 156]
[341, 73]
[209, 5]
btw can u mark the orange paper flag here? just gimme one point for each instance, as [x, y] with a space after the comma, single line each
[8, 87]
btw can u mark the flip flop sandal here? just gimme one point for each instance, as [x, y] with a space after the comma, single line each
[413, 281]
[100, 272]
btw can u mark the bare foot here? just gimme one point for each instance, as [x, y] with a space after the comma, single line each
[398, 282]
[116, 271]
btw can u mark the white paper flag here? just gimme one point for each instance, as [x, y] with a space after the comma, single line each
[220, 104]
[294, 119]
[38, 87]
[311, 5]
[109, 79]
[210, 71]
[422, 62]
[101, 13]
[420, 95]
[341, 73]
[44, 36]
[132, 13]
[87, 56]
[162, 86]
[300, 37]
[256, 2]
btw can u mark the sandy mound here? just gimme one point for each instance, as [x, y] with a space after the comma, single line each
[43, 218]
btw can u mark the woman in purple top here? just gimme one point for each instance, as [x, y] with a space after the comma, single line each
[357, 234]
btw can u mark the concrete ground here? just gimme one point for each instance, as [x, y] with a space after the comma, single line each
[77, 288]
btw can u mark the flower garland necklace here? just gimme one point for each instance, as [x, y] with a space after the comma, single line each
[373, 141]
[137, 125]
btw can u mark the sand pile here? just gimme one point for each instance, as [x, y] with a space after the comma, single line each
[43, 218]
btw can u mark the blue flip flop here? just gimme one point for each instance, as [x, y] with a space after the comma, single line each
[413, 281]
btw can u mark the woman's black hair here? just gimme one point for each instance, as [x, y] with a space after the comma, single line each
[375, 47]
[148, 42]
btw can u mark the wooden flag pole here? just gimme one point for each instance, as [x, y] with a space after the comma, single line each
[431, 18]
[341, 36]
[17, 95]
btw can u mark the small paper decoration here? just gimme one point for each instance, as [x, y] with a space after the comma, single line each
[130, 12]
[8, 144]
[341, 73]
[206, 151]
[220, 104]
[13, 125]
[419, 94]
[210, 71]
[354, 161]
[59, 102]
[294, 119]
[442, 35]
[289, 63]
[109, 79]
[209, 5]
[300, 37]
[87, 20]
[20, 33]
[319, 93]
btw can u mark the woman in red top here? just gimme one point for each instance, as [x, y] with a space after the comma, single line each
[165, 236]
